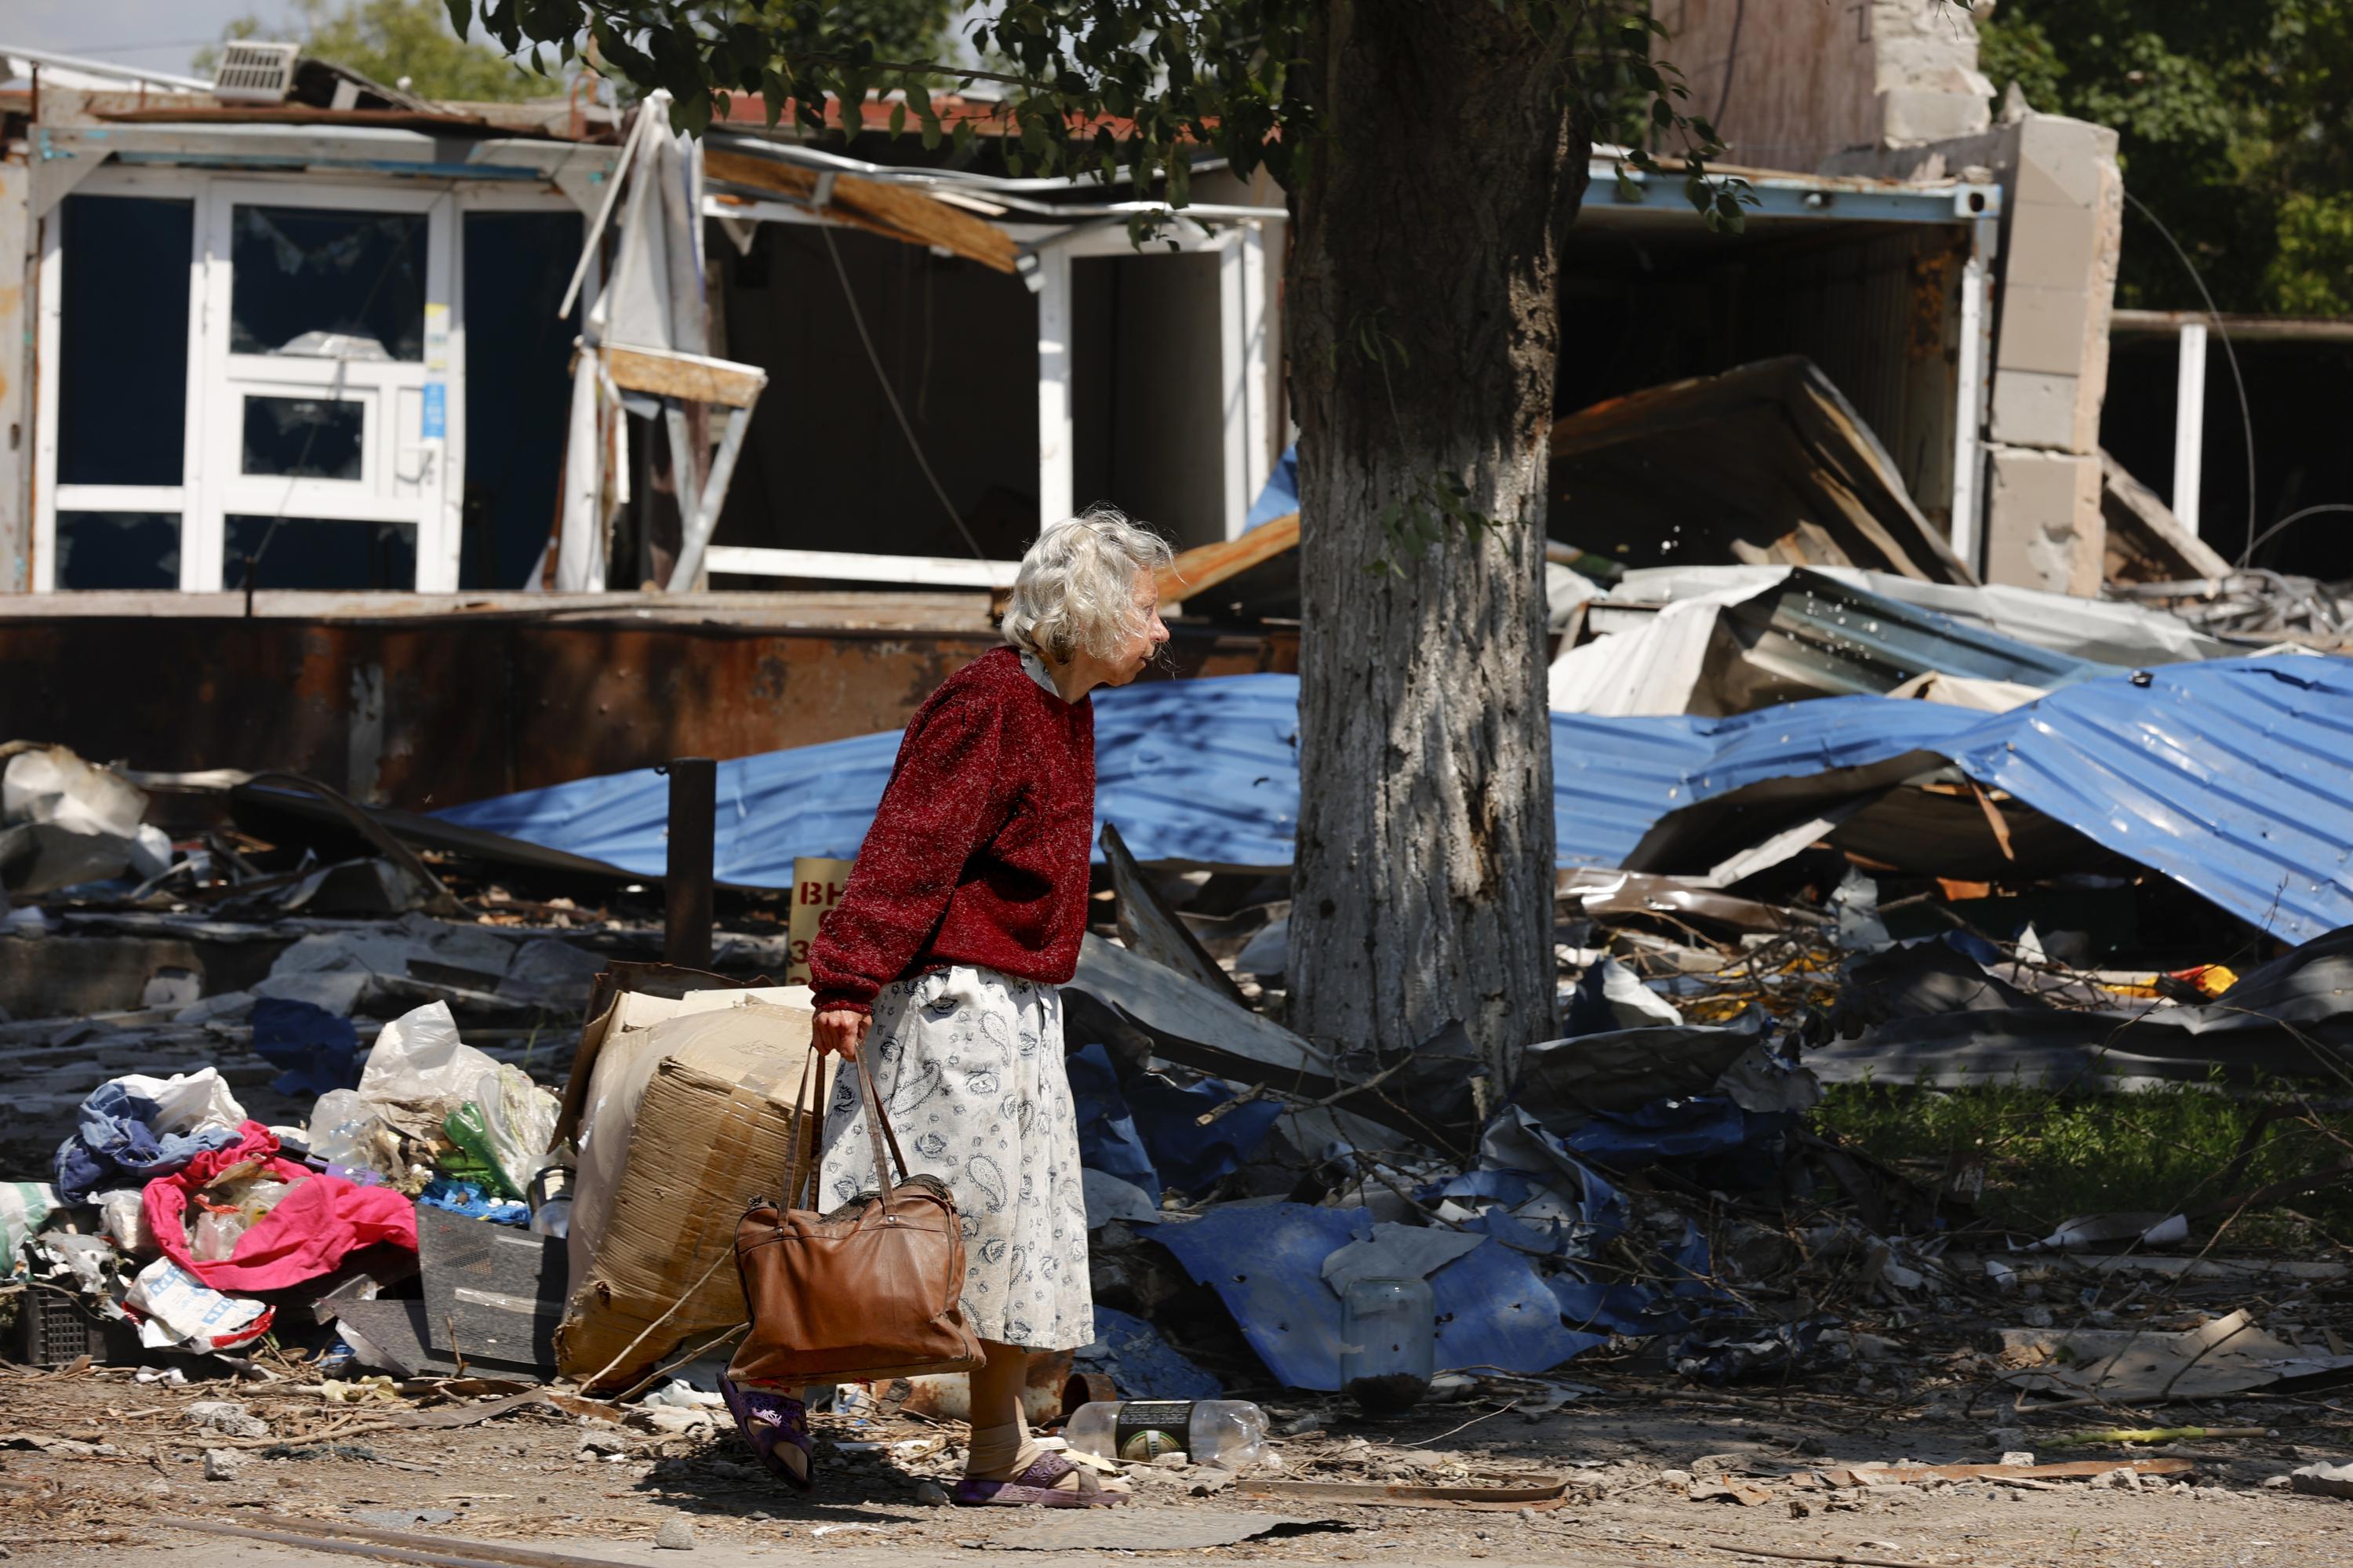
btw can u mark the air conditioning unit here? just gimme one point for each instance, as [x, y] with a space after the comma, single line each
[256, 73]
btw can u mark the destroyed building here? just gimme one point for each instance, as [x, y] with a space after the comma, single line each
[929, 357]
[352, 618]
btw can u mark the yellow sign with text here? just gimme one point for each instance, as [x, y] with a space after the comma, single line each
[817, 887]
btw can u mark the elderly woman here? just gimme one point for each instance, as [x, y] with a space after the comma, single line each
[964, 912]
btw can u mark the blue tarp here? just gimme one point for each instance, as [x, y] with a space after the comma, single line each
[2233, 777]
[1279, 497]
[1140, 1364]
[1266, 1264]
[319, 1050]
[1149, 1134]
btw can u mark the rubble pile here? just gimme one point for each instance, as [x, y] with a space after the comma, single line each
[378, 1103]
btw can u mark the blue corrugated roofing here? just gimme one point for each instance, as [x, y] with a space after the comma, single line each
[2234, 776]
[1192, 770]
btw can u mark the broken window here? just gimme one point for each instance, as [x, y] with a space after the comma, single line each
[123, 362]
[518, 388]
[118, 550]
[304, 438]
[319, 553]
[327, 283]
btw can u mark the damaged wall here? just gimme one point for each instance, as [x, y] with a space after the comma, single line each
[1788, 83]
[2062, 234]
[421, 706]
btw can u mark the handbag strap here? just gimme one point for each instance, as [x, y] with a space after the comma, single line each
[878, 1130]
[800, 1166]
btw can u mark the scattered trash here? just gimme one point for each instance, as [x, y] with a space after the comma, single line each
[227, 1417]
[1229, 1433]
[2323, 1481]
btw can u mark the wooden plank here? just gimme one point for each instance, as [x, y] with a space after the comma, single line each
[1198, 570]
[687, 376]
[2146, 543]
[897, 212]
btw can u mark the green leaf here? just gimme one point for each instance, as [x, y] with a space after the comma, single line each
[461, 16]
[1661, 116]
[898, 120]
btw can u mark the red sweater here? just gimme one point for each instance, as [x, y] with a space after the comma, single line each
[978, 852]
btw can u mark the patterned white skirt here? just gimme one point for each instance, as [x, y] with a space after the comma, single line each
[969, 1065]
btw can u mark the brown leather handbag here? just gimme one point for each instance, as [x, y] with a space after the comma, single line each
[869, 1289]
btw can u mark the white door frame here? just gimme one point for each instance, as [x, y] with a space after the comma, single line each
[404, 474]
[211, 489]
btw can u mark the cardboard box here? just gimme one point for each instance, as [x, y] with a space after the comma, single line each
[687, 1117]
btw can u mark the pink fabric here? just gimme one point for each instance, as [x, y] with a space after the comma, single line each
[319, 1220]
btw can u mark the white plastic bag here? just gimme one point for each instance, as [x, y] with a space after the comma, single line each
[520, 1119]
[125, 1216]
[419, 1061]
[53, 785]
[344, 1130]
[181, 1308]
[186, 1101]
[23, 1207]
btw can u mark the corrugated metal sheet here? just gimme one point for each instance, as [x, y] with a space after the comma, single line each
[1206, 771]
[2235, 777]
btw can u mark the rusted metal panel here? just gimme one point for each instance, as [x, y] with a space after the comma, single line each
[427, 711]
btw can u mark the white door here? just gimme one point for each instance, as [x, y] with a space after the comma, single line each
[326, 347]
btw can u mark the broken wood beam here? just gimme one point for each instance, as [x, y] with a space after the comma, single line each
[693, 377]
[896, 212]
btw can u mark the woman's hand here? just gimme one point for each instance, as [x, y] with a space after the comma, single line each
[839, 1031]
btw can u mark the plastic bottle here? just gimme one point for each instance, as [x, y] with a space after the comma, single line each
[1230, 1433]
[550, 1202]
[473, 1159]
[1388, 1343]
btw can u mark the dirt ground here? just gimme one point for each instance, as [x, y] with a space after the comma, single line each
[1634, 1452]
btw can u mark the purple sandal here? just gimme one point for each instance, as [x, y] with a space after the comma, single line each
[777, 1426]
[1036, 1487]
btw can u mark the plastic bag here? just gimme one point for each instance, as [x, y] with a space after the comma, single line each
[125, 1220]
[419, 1060]
[520, 1117]
[344, 1130]
[214, 1236]
[185, 1102]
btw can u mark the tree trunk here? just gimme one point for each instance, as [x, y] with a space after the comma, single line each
[1422, 326]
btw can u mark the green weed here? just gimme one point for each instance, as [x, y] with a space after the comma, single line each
[2047, 1157]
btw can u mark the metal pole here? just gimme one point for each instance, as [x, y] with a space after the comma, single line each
[694, 809]
[2190, 424]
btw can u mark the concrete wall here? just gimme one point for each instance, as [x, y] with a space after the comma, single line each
[2055, 279]
[1788, 83]
[2061, 236]
[2061, 233]
[1891, 89]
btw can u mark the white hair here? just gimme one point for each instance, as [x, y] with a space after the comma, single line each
[1076, 589]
